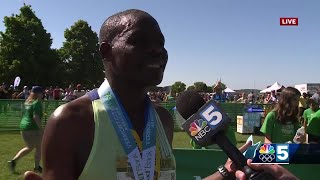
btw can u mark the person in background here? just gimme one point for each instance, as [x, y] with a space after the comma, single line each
[302, 107]
[313, 108]
[3, 95]
[159, 96]
[281, 124]
[25, 93]
[49, 93]
[274, 98]
[251, 97]
[311, 123]
[236, 97]
[316, 96]
[31, 129]
[267, 98]
[78, 92]
[69, 96]
[3, 91]
[57, 93]
[242, 99]
[169, 97]
[15, 94]
[10, 92]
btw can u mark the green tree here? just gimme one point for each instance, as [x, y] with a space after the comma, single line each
[80, 54]
[178, 87]
[25, 50]
[200, 86]
[191, 87]
[209, 89]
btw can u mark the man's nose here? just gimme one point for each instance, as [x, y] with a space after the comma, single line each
[158, 52]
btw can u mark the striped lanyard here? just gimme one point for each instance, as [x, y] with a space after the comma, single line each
[143, 165]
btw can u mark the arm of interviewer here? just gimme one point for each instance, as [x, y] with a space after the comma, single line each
[275, 170]
[230, 166]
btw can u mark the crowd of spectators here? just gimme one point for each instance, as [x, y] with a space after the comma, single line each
[73, 92]
[50, 93]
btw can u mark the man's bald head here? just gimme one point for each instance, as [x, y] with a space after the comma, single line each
[132, 48]
[120, 23]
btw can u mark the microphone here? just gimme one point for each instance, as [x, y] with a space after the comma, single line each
[205, 124]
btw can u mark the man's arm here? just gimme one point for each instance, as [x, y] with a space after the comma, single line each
[57, 147]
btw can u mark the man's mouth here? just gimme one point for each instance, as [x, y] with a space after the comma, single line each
[154, 66]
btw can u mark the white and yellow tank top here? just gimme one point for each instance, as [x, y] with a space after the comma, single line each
[108, 160]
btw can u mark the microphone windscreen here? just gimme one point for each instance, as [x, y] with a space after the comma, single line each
[188, 103]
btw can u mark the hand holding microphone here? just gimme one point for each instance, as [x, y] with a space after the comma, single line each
[206, 123]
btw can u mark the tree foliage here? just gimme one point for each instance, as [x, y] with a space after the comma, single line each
[80, 54]
[200, 86]
[25, 50]
[178, 87]
[191, 87]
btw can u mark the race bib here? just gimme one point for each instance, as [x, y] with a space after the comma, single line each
[164, 175]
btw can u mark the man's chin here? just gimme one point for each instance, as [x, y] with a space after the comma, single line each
[151, 82]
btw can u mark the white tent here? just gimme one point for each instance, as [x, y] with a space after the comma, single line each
[276, 86]
[228, 90]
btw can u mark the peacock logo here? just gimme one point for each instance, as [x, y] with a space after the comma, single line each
[196, 126]
[266, 149]
[267, 153]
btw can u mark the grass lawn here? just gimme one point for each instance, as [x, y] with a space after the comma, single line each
[11, 143]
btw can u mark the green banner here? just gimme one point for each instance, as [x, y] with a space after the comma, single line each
[197, 164]
[11, 112]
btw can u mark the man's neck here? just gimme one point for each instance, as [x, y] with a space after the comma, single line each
[131, 96]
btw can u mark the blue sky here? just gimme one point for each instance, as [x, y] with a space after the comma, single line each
[240, 41]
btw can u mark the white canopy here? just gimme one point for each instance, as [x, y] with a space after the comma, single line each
[276, 86]
[228, 90]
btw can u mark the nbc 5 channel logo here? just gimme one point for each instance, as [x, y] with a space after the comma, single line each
[273, 154]
[200, 127]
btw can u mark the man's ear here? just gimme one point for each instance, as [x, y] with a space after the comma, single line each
[106, 51]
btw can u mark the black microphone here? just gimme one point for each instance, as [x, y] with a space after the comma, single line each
[206, 123]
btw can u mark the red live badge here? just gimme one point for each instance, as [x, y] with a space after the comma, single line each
[288, 21]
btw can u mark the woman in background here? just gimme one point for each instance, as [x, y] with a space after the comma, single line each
[281, 124]
[31, 129]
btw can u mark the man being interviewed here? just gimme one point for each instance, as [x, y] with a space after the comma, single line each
[101, 135]
[115, 132]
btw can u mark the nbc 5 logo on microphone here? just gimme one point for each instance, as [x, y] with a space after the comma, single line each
[272, 154]
[214, 116]
[206, 122]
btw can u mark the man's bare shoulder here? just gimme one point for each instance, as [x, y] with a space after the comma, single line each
[70, 126]
[163, 113]
[73, 110]
[166, 120]
[71, 118]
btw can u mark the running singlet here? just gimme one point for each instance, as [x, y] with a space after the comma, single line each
[108, 160]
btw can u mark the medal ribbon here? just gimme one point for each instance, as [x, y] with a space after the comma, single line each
[143, 166]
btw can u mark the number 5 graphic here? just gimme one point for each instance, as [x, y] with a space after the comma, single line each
[210, 113]
[282, 153]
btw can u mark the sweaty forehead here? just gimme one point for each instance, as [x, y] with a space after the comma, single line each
[134, 22]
